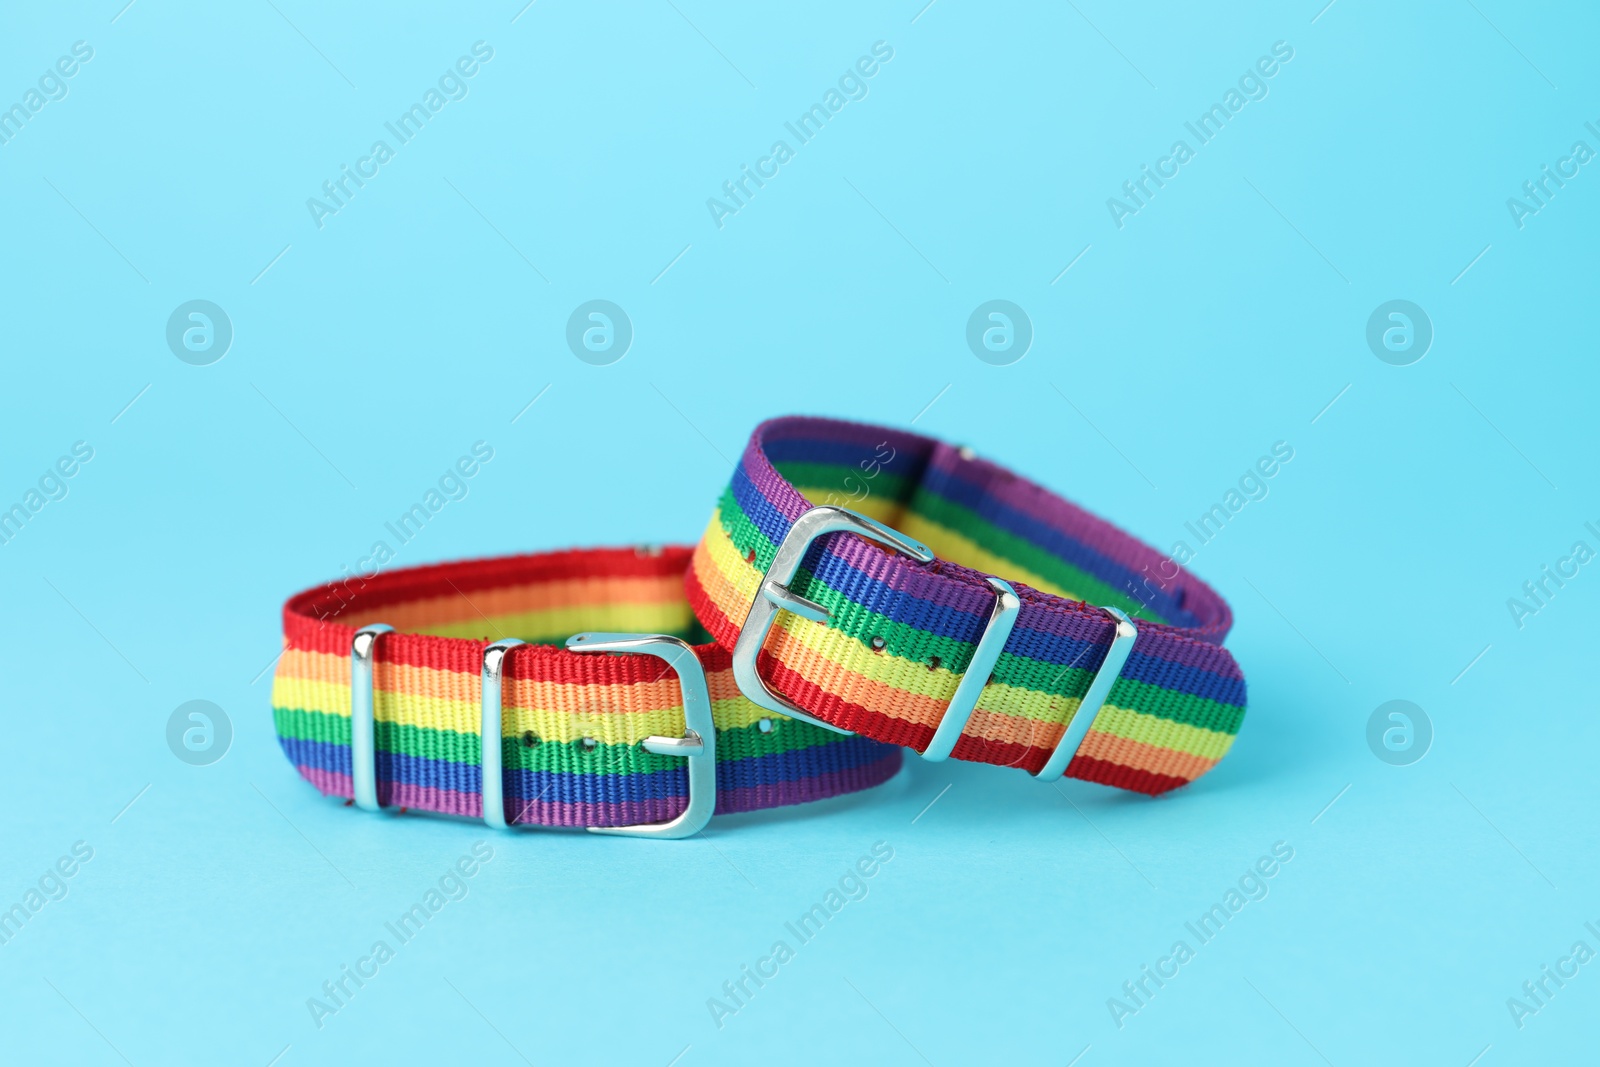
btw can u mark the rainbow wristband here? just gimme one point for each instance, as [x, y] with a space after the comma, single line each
[409, 717]
[920, 645]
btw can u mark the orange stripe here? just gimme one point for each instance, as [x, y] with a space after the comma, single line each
[718, 586]
[544, 596]
[1144, 757]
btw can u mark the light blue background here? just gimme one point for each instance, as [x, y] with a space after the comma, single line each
[1222, 318]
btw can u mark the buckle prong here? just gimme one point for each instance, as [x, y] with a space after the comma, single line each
[781, 597]
[689, 745]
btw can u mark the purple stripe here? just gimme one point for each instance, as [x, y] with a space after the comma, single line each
[729, 801]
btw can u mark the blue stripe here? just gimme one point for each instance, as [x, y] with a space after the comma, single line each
[1030, 528]
[566, 787]
[911, 453]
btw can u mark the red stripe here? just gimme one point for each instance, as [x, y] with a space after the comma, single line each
[449, 579]
[1090, 769]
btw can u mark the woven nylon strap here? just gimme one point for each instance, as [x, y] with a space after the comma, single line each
[572, 723]
[901, 632]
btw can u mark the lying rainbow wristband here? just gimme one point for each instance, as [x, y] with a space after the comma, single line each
[445, 689]
[883, 618]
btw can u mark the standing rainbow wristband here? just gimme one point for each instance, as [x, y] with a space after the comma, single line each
[886, 619]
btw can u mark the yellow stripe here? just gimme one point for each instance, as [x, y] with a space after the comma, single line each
[882, 509]
[740, 574]
[1162, 733]
[558, 624]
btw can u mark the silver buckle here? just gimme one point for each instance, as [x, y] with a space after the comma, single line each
[698, 744]
[773, 594]
[1105, 677]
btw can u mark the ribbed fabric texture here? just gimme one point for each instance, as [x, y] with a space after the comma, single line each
[902, 633]
[572, 723]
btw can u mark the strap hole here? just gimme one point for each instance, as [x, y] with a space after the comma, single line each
[765, 726]
[934, 662]
[588, 744]
[529, 739]
[750, 556]
[878, 644]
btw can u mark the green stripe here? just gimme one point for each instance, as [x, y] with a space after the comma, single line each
[1025, 553]
[745, 742]
[743, 533]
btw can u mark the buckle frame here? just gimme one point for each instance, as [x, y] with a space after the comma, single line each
[698, 743]
[773, 595]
